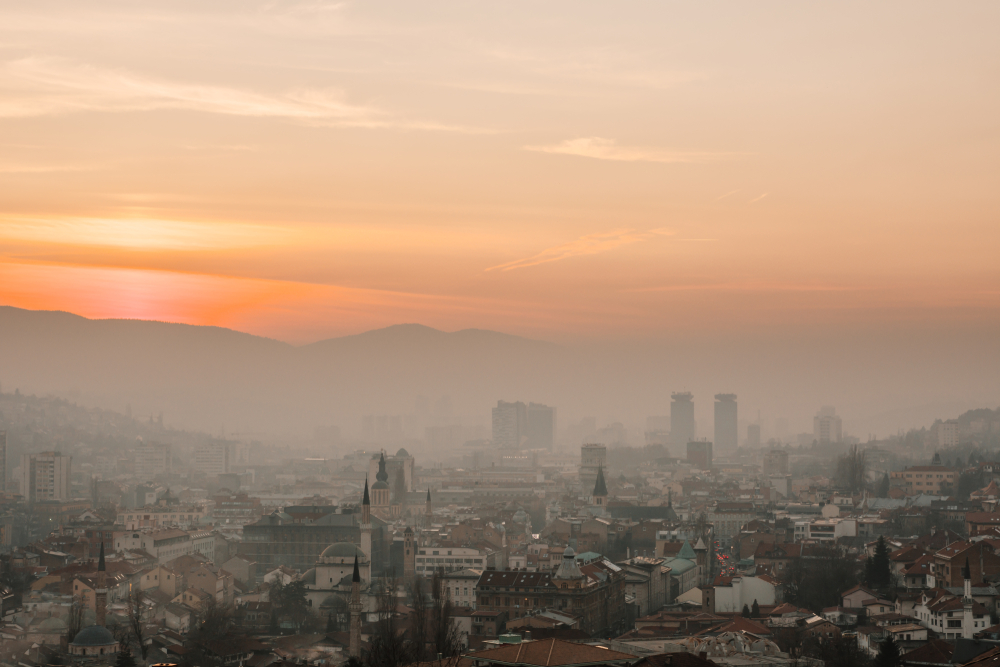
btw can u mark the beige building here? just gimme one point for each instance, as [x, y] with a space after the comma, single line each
[934, 480]
[45, 476]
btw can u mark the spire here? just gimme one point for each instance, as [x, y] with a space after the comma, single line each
[381, 475]
[600, 488]
[366, 500]
[670, 497]
[101, 567]
[428, 494]
[357, 572]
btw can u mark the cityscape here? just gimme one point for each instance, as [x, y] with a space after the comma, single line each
[510, 334]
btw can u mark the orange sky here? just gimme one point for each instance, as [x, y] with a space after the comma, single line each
[565, 171]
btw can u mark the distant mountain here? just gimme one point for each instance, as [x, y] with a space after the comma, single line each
[203, 377]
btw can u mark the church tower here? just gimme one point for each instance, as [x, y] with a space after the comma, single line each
[409, 555]
[366, 523]
[355, 608]
[599, 499]
[380, 490]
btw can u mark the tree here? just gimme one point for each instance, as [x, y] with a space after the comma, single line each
[852, 470]
[746, 611]
[936, 461]
[878, 572]
[387, 644]
[816, 582]
[136, 622]
[883, 487]
[289, 602]
[213, 621]
[74, 622]
[888, 653]
[125, 657]
[755, 610]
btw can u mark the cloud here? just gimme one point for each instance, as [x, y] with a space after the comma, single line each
[756, 199]
[48, 86]
[607, 149]
[591, 244]
[728, 194]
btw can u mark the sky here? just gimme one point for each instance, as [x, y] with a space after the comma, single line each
[570, 171]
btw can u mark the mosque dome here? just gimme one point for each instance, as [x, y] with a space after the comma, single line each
[344, 550]
[94, 635]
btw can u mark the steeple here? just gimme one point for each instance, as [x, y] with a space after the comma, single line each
[382, 475]
[356, 577]
[102, 566]
[366, 500]
[600, 488]
[366, 523]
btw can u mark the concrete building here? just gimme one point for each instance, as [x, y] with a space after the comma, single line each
[948, 433]
[699, 454]
[541, 426]
[212, 458]
[45, 476]
[776, 462]
[3, 461]
[726, 423]
[753, 435]
[510, 425]
[152, 459]
[682, 428]
[827, 426]
[459, 586]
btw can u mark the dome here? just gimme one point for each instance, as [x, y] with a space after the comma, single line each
[380, 485]
[52, 624]
[344, 550]
[94, 635]
[402, 453]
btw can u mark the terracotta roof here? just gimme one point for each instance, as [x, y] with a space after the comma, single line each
[740, 624]
[988, 659]
[551, 652]
[514, 578]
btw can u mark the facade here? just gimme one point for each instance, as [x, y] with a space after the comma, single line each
[160, 516]
[459, 586]
[277, 539]
[449, 559]
[153, 459]
[3, 461]
[932, 480]
[212, 458]
[541, 426]
[827, 426]
[510, 425]
[948, 433]
[647, 580]
[682, 429]
[45, 476]
[699, 454]
[726, 423]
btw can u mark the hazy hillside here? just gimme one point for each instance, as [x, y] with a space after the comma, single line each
[206, 377]
[203, 377]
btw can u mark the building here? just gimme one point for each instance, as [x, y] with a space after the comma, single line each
[699, 454]
[681, 418]
[592, 458]
[449, 559]
[510, 425]
[932, 480]
[726, 423]
[459, 586]
[152, 459]
[278, 539]
[948, 433]
[827, 427]
[45, 476]
[212, 458]
[753, 435]
[541, 426]
[776, 462]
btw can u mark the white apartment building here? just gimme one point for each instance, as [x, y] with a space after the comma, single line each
[161, 517]
[460, 586]
[212, 458]
[165, 545]
[448, 559]
[152, 459]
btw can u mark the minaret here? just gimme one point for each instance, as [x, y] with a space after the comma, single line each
[355, 608]
[967, 619]
[366, 524]
[428, 511]
[101, 592]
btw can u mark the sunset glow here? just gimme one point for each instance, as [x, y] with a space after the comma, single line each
[306, 170]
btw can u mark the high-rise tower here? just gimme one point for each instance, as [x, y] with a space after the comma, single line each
[681, 418]
[726, 424]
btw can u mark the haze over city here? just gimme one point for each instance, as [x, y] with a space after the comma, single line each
[740, 258]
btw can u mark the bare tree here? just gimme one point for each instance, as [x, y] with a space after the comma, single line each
[136, 621]
[852, 470]
[387, 645]
[214, 620]
[75, 620]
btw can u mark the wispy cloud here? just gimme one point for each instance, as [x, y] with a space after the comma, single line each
[47, 86]
[591, 244]
[608, 149]
[728, 194]
[756, 199]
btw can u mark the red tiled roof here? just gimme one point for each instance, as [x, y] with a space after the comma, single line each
[552, 653]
